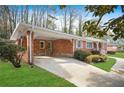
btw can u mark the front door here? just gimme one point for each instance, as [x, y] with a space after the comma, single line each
[49, 49]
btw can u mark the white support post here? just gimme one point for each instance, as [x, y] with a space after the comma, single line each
[73, 45]
[97, 46]
[30, 47]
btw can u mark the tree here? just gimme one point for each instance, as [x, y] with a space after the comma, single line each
[72, 16]
[91, 29]
[22, 14]
[13, 16]
[70, 20]
[100, 10]
[80, 25]
[26, 14]
[116, 24]
[51, 22]
[11, 52]
[65, 20]
[9, 15]
[4, 21]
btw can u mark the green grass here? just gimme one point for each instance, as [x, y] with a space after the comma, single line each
[117, 54]
[29, 77]
[105, 65]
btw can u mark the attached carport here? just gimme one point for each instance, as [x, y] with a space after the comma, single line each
[33, 32]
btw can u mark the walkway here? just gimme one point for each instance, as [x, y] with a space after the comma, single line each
[119, 65]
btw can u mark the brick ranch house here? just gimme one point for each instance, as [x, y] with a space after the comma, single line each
[40, 41]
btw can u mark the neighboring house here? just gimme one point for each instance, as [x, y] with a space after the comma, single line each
[41, 41]
[112, 47]
[121, 48]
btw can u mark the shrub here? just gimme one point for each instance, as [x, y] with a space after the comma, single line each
[81, 54]
[111, 52]
[12, 53]
[95, 52]
[103, 56]
[96, 58]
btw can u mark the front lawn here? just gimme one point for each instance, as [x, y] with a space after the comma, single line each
[117, 54]
[29, 77]
[107, 65]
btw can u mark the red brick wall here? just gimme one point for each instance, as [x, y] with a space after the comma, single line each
[25, 56]
[62, 47]
[24, 42]
[84, 45]
[38, 50]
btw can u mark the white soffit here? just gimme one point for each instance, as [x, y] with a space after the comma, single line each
[90, 39]
[40, 33]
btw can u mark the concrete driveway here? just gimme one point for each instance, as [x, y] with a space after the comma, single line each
[119, 65]
[79, 73]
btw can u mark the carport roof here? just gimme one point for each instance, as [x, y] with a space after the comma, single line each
[40, 32]
[44, 33]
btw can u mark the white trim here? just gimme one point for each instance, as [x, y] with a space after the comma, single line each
[91, 39]
[43, 45]
[36, 29]
[21, 28]
[15, 30]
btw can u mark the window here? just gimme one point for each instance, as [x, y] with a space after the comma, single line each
[42, 44]
[79, 44]
[89, 45]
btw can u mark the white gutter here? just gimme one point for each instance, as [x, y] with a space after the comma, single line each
[90, 39]
[52, 31]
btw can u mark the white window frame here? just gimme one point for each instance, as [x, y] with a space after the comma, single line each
[43, 44]
[77, 41]
[89, 47]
